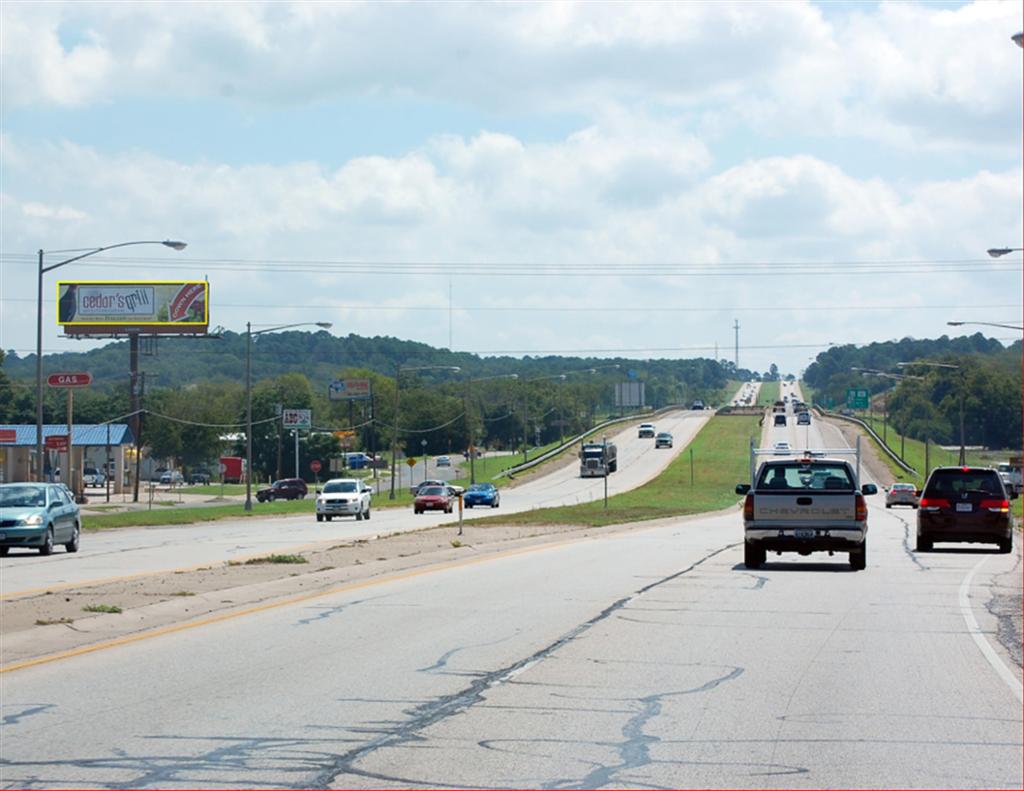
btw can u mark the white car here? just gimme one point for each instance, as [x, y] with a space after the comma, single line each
[343, 497]
[781, 449]
[646, 430]
[443, 461]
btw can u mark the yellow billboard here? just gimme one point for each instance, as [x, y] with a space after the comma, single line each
[150, 306]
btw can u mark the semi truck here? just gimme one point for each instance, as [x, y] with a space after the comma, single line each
[597, 459]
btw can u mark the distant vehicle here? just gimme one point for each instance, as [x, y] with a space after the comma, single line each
[1010, 472]
[38, 516]
[234, 469]
[357, 460]
[780, 420]
[598, 459]
[803, 419]
[781, 449]
[646, 430]
[443, 461]
[901, 494]
[172, 478]
[91, 476]
[663, 440]
[964, 504]
[199, 478]
[805, 505]
[482, 494]
[433, 498]
[344, 497]
[415, 488]
[284, 489]
[698, 404]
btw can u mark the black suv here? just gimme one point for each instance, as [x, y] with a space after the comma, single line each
[284, 489]
[964, 504]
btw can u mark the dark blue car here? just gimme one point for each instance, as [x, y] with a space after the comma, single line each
[481, 494]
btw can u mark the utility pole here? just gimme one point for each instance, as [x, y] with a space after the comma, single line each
[736, 356]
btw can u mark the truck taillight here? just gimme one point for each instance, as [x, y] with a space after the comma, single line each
[861, 509]
[748, 507]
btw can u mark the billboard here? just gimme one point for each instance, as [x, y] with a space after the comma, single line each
[348, 390]
[296, 418]
[629, 393]
[104, 307]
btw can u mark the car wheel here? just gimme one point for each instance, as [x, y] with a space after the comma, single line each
[319, 517]
[923, 544]
[1006, 545]
[359, 516]
[753, 556]
[495, 503]
[469, 505]
[367, 514]
[328, 517]
[47, 547]
[72, 545]
[888, 505]
[4, 551]
[271, 497]
[859, 557]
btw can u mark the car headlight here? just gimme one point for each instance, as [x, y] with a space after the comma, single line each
[35, 519]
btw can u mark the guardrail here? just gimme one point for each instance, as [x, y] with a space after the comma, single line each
[878, 439]
[550, 454]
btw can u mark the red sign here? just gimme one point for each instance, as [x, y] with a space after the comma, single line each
[80, 379]
[314, 465]
[57, 442]
[8, 435]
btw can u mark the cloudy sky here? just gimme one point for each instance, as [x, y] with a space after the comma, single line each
[578, 178]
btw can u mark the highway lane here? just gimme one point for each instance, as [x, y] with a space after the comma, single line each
[129, 551]
[651, 658]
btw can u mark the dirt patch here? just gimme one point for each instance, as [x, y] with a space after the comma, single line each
[52, 622]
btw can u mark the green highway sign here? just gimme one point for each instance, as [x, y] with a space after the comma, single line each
[857, 398]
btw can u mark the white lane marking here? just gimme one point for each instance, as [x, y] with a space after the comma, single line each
[975, 631]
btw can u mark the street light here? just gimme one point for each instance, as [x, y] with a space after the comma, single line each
[248, 396]
[985, 323]
[394, 430]
[998, 252]
[84, 252]
[963, 449]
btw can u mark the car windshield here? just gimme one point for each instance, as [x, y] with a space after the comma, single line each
[902, 487]
[23, 497]
[432, 490]
[480, 487]
[334, 487]
[805, 476]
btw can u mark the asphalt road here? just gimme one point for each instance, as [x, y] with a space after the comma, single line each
[651, 658]
[119, 553]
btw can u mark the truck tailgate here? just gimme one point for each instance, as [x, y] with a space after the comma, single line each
[804, 507]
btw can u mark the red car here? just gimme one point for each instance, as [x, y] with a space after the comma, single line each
[433, 498]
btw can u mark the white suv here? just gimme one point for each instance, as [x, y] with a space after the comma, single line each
[343, 497]
[646, 430]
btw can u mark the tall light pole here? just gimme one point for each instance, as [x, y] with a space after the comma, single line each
[84, 252]
[985, 323]
[963, 448]
[469, 426]
[394, 428]
[248, 396]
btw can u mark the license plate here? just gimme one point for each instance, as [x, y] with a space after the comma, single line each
[964, 507]
[803, 533]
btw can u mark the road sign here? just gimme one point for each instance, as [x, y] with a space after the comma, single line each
[314, 466]
[348, 390]
[411, 461]
[78, 379]
[57, 442]
[297, 418]
[8, 435]
[857, 398]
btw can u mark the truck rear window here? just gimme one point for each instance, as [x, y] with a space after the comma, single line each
[787, 477]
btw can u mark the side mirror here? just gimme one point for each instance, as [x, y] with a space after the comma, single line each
[917, 492]
[742, 488]
[869, 488]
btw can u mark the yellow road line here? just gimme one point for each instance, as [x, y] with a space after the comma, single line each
[346, 588]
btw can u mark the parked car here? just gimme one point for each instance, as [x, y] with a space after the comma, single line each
[38, 516]
[199, 478]
[91, 476]
[172, 478]
[482, 494]
[646, 430]
[433, 498]
[344, 497]
[964, 504]
[284, 489]
[901, 494]
[663, 440]
[443, 461]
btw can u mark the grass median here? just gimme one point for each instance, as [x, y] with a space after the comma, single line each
[720, 460]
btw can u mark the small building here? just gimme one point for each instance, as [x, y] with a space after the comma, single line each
[105, 446]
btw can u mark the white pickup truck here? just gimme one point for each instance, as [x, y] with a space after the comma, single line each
[804, 505]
